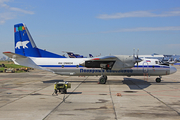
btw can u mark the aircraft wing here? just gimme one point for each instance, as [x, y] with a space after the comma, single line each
[13, 55]
[105, 58]
[116, 62]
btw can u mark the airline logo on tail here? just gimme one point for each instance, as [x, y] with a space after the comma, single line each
[23, 44]
[20, 28]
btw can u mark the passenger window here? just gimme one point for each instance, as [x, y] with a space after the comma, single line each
[62, 66]
[156, 62]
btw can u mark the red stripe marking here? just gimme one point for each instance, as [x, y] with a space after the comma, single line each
[6, 52]
[96, 59]
[5, 79]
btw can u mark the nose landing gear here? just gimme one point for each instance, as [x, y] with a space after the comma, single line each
[158, 80]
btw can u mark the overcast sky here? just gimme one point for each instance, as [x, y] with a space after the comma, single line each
[94, 26]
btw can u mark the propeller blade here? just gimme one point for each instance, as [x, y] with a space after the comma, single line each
[137, 64]
[134, 52]
[137, 59]
[137, 53]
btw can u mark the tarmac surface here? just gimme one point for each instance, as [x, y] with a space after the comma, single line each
[28, 96]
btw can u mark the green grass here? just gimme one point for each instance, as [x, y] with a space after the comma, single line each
[10, 64]
[6, 62]
[13, 66]
[1, 68]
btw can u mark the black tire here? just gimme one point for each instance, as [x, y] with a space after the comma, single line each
[158, 80]
[55, 91]
[63, 91]
[105, 78]
[102, 80]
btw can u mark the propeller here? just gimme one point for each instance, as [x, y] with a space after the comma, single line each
[137, 59]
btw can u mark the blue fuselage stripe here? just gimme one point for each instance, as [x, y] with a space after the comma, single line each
[68, 66]
[153, 66]
[59, 66]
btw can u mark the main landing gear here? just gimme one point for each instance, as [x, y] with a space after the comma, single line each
[158, 80]
[102, 79]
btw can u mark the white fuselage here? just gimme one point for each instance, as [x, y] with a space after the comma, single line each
[70, 66]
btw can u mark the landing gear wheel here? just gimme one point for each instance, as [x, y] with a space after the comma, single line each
[105, 77]
[158, 80]
[102, 79]
[63, 91]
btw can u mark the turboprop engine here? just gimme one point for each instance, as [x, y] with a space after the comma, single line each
[124, 61]
[116, 62]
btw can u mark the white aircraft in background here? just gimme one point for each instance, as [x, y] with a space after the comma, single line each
[170, 61]
[28, 54]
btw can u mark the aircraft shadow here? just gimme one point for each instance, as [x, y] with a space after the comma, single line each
[136, 84]
[132, 83]
[83, 81]
[52, 81]
[77, 81]
[74, 92]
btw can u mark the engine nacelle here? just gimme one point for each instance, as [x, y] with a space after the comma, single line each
[111, 62]
[124, 61]
[98, 64]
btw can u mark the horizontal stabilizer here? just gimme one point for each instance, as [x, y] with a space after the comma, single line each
[48, 54]
[13, 55]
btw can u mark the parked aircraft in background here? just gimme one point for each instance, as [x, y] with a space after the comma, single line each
[161, 58]
[28, 54]
[72, 55]
[90, 55]
[170, 61]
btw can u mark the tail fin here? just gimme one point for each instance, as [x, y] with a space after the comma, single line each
[24, 44]
[71, 55]
[90, 55]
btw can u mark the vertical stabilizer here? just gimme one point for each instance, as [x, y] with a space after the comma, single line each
[24, 44]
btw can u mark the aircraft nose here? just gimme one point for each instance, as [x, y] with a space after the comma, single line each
[172, 69]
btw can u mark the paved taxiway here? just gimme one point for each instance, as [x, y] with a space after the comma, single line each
[28, 96]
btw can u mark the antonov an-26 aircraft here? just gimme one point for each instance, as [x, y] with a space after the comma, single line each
[28, 54]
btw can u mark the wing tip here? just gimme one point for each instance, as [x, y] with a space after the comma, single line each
[7, 52]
